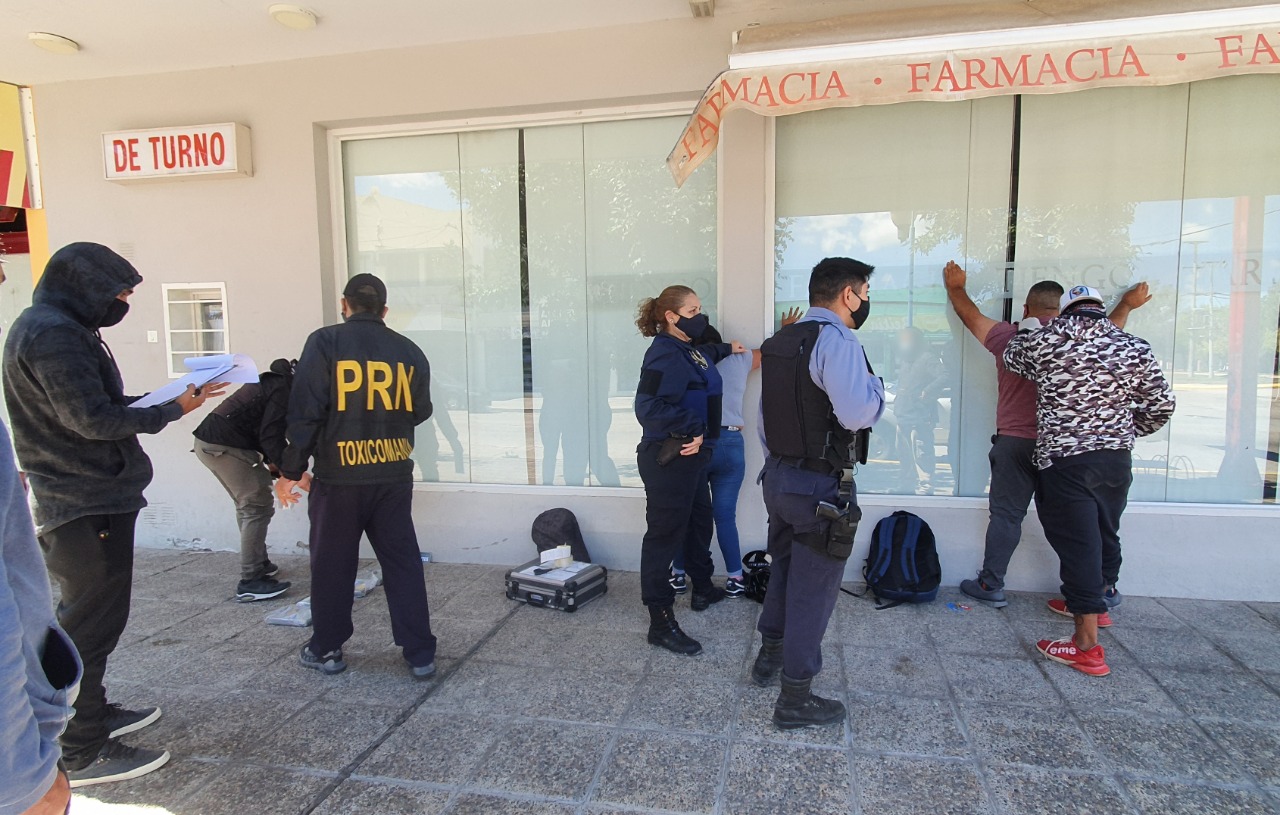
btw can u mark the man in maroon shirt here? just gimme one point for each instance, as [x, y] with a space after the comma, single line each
[1013, 475]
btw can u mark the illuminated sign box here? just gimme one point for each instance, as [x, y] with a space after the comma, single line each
[218, 150]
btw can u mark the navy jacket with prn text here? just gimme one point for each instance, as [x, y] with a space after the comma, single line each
[359, 390]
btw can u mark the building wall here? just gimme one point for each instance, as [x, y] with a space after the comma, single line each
[269, 237]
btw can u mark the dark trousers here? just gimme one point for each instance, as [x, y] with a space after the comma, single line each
[92, 560]
[1080, 501]
[678, 516]
[1013, 483]
[339, 514]
[804, 581]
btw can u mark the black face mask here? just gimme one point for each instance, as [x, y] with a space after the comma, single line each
[115, 313]
[860, 314]
[694, 326]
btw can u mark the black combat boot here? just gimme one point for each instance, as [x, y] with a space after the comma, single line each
[664, 631]
[702, 600]
[768, 662]
[797, 707]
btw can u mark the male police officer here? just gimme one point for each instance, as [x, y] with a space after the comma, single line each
[359, 390]
[818, 391]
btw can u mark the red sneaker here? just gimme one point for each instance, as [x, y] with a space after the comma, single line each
[1091, 662]
[1059, 606]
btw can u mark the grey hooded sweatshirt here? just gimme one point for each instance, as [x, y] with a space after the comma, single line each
[73, 431]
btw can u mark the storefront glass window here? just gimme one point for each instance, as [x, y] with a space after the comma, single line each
[905, 188]
[515, 259]
[1176, 186]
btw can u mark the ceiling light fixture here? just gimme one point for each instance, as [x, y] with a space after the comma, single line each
[295, 17]
[53, 43]
[702, 8]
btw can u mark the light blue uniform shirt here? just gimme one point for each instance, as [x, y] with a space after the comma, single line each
[734, 370]
[838, 366]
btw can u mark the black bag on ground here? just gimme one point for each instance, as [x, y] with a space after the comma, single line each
[559, 527]
[902, 563]
[755, 574]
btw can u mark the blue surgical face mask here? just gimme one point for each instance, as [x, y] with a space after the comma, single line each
[694, 326]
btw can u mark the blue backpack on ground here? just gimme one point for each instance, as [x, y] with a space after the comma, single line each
[902, 563]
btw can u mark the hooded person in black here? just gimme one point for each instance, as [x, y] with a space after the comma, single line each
[76, 439]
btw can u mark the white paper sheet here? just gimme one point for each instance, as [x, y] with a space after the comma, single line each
[237, 368]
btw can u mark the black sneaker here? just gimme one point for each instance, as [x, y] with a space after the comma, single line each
[117, 762]
[330, 663]
[981, 591]
[121, 720]
[679, 582]
[269, 569]
[262, 588]
[733, 587]
[702, 602]
[423, 671]
[1112, 597]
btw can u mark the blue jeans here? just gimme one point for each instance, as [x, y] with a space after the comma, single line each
[728, 468]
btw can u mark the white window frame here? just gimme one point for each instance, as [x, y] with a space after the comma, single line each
[165, 290]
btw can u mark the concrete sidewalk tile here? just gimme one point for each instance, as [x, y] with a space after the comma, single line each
[597, 649]
[974, 632]
[1258, 653]
[455, 638]
[1025, 790]
[860, 624]
[689, 706]
[483, 688]
[1128, 688]
[475, 804]
[237, 789]
[905, 725]
[368, 798]
[1220, 617]
[721, 658]
[1038, 737]
[543, 759]
[434, 747]
[380, 678]
[1171, 748]
[755, 717]
[226, 726]
[778, 778]
[1255, 747]
[219, 668]
[896, 785]
[1162, 648]
[148, 661]
[324, 736]
[576, 696]
[165, 789]
[993, 679]
[1269, 610]
[660, 770]
[1166, 798]
[908, 672]
[1222, 694]
[1145, 613]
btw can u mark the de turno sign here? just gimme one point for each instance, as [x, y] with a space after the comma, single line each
[177, 152]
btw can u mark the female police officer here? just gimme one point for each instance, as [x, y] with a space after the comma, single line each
[678, 405]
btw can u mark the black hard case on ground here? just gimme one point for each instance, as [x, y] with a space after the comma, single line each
[548, 592]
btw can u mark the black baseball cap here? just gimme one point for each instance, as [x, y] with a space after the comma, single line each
[367, 284]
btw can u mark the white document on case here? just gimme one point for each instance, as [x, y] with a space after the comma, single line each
[237, 368]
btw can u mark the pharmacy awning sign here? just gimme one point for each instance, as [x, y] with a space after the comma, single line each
[14, 188]
[867, 75]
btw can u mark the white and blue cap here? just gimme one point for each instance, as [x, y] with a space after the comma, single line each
[1079, 294]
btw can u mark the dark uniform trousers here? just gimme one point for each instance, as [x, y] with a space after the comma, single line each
[339, 514]
[678, 512]
[92, 560]
[1013, 483]
[1080, 501]
[804, 581]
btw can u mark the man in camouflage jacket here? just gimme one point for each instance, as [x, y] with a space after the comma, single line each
[1098, 389]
